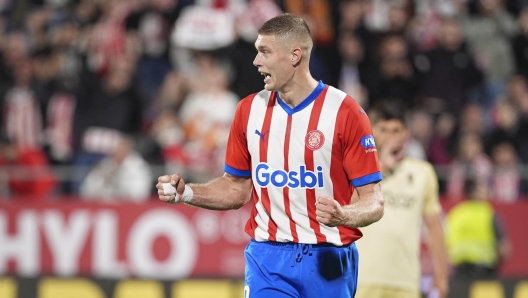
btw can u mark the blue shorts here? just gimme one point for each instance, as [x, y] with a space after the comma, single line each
[275, 269]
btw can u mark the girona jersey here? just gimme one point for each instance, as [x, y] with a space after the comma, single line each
[322, 147]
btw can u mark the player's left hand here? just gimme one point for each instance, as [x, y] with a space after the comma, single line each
[329, 212]
[441, 285]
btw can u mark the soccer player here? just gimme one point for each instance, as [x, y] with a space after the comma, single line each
[298, 149]
[390, 250]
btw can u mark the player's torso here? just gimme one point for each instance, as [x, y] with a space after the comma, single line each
[404, 192]
[393, 242]
[404, 189]
[294, 159]
[293, 149]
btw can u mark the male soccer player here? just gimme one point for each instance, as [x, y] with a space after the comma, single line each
[298, 149]
[390, 250]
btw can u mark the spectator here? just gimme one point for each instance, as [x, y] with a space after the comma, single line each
[104, 108]
[394, 74]
[354, 70]
[518, 93]
[489, 34]
[352, 13]
[387, 16]
[111, 103]
[28, 174]
[440, 150]
[520, 44]
[108, 40]
[421, 126]
[506, 181]
[206, 116]
[123, 175]
[472, 120]
[22, 107]
[151, 22]
[509, 128]
[450, 64]
[168, 132]
[471, 162]
[476, 239]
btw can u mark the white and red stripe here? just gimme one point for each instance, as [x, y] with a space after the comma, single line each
[59, 130]
[264, 131]
[22, 117]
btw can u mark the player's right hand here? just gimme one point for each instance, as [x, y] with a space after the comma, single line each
[175, 180]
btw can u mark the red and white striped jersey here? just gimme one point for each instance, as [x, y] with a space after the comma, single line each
[322, 147]
[23, 119]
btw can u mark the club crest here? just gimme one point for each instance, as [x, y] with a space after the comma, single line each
[314, 140]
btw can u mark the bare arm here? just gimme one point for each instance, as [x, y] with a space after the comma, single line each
[223, 193]
[436, 247]
[365, 209]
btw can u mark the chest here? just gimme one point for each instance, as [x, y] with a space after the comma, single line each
[404, 190]
[292, 137]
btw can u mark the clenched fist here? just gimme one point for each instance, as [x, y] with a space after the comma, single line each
[175, 180]
[329, 212]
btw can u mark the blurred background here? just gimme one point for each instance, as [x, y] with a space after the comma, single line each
[100, 97]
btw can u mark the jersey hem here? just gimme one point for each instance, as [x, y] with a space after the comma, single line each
[384, 283]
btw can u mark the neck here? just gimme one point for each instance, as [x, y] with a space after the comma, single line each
[298, 89]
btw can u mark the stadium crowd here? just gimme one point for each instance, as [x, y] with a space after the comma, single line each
[98, 95]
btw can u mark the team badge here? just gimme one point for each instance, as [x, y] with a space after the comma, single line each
[314, 140]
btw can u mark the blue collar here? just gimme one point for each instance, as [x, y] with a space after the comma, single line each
[306, 102]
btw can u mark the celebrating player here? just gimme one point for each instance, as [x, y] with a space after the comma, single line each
[298, 149]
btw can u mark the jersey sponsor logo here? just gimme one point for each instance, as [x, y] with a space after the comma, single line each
[399, 200]
[368, 142]
[293, 179]
[261, 135]
[314, 140]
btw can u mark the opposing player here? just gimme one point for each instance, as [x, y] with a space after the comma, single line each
[298, 149]
[390, 249]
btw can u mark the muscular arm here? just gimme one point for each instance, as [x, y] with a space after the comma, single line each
[223, 193]
[365, 209]
[437, 251]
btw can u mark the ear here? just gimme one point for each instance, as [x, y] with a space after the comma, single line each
[296, 56]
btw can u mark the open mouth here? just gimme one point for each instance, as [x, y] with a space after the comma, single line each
[267, 76]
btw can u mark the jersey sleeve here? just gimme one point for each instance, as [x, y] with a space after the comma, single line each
[360, 157]
[431, 203]
[238, 160]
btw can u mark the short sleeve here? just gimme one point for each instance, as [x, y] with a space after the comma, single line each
[431, 202]
[238, 160]
[360, 157]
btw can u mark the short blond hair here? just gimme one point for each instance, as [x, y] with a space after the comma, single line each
[289, 27]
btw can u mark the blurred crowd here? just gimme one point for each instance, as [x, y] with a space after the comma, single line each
[99, 97]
